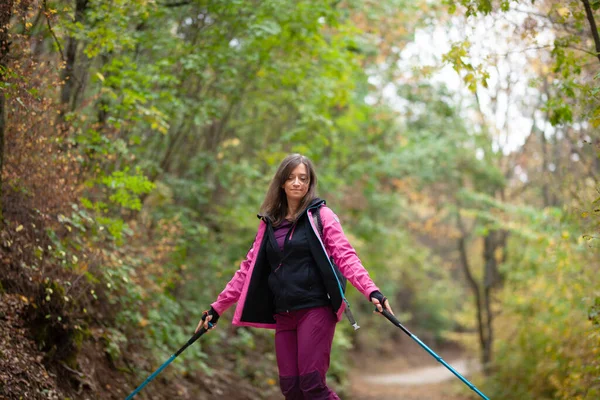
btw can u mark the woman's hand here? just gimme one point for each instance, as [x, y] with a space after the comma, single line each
[380, 301]
[204, 323]
[207, 316]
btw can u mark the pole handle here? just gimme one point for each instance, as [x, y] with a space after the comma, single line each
[196, 336]
[394, 320]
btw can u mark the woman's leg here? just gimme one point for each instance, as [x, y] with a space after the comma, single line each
[316, 327]
[286, 349]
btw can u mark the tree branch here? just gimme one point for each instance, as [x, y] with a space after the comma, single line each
[46, 13]
[593, 27]
[178, 4]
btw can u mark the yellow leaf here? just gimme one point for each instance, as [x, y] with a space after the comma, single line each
[563, 11]
[143, 322]
[19, 228]
[231, 142]
[100, 76]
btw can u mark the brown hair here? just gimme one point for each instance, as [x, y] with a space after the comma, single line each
[275, 205]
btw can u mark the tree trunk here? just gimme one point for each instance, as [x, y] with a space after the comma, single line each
[481, 320]
[68, 75]
[545, 170]
[462, 247]
[494, 241]
[5, 16]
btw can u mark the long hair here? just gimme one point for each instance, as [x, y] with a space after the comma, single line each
[275, 205]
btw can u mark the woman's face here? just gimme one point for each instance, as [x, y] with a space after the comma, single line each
[296, 185]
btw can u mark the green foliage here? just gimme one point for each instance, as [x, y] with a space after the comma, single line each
[109, 25]
[471, 75]
[559, 112]
[181, 115]
[127, 188]
[551, 342]
[114, 340]
[125, 191]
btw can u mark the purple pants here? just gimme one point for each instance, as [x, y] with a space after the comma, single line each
[303, 341]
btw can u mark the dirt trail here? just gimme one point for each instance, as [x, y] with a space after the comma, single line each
[422, 376]
[411, 376]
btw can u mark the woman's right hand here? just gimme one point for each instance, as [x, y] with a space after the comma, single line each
[204, 323]
[208, 316]
[380, 301]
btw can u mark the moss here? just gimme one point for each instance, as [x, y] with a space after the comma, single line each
[58, 289]
[78, 336]
[56, 332]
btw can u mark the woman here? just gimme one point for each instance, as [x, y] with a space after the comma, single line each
[288, 283]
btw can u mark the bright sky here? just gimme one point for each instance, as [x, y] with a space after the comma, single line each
[493, 44]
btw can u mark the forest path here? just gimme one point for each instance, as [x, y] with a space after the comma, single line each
[411, 377]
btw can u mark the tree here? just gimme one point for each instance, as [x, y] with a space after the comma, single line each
[6, 10]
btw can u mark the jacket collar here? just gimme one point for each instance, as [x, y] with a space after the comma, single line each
[315, 203]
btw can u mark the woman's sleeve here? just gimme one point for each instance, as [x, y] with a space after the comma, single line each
[344, 255]
[234, 287]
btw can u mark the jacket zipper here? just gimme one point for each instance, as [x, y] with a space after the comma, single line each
[283, 294]
[285, 242]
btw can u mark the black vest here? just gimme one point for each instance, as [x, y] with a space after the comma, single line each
[261, 304]
[294, 280]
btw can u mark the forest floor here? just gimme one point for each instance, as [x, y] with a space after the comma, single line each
[25, 374]
[412, 374]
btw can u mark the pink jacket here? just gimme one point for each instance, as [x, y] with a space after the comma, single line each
[336, 245]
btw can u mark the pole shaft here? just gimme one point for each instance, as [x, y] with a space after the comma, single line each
[445, 364]
[139, 388]
[396, 322]
[158, 371]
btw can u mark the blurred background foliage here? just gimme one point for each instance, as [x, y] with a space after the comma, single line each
[458, 143]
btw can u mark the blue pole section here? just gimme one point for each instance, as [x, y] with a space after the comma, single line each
[395, 321]
[139, 388]
[189, 342]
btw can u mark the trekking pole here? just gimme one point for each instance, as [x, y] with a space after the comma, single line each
[196, 336]
[395, 321]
